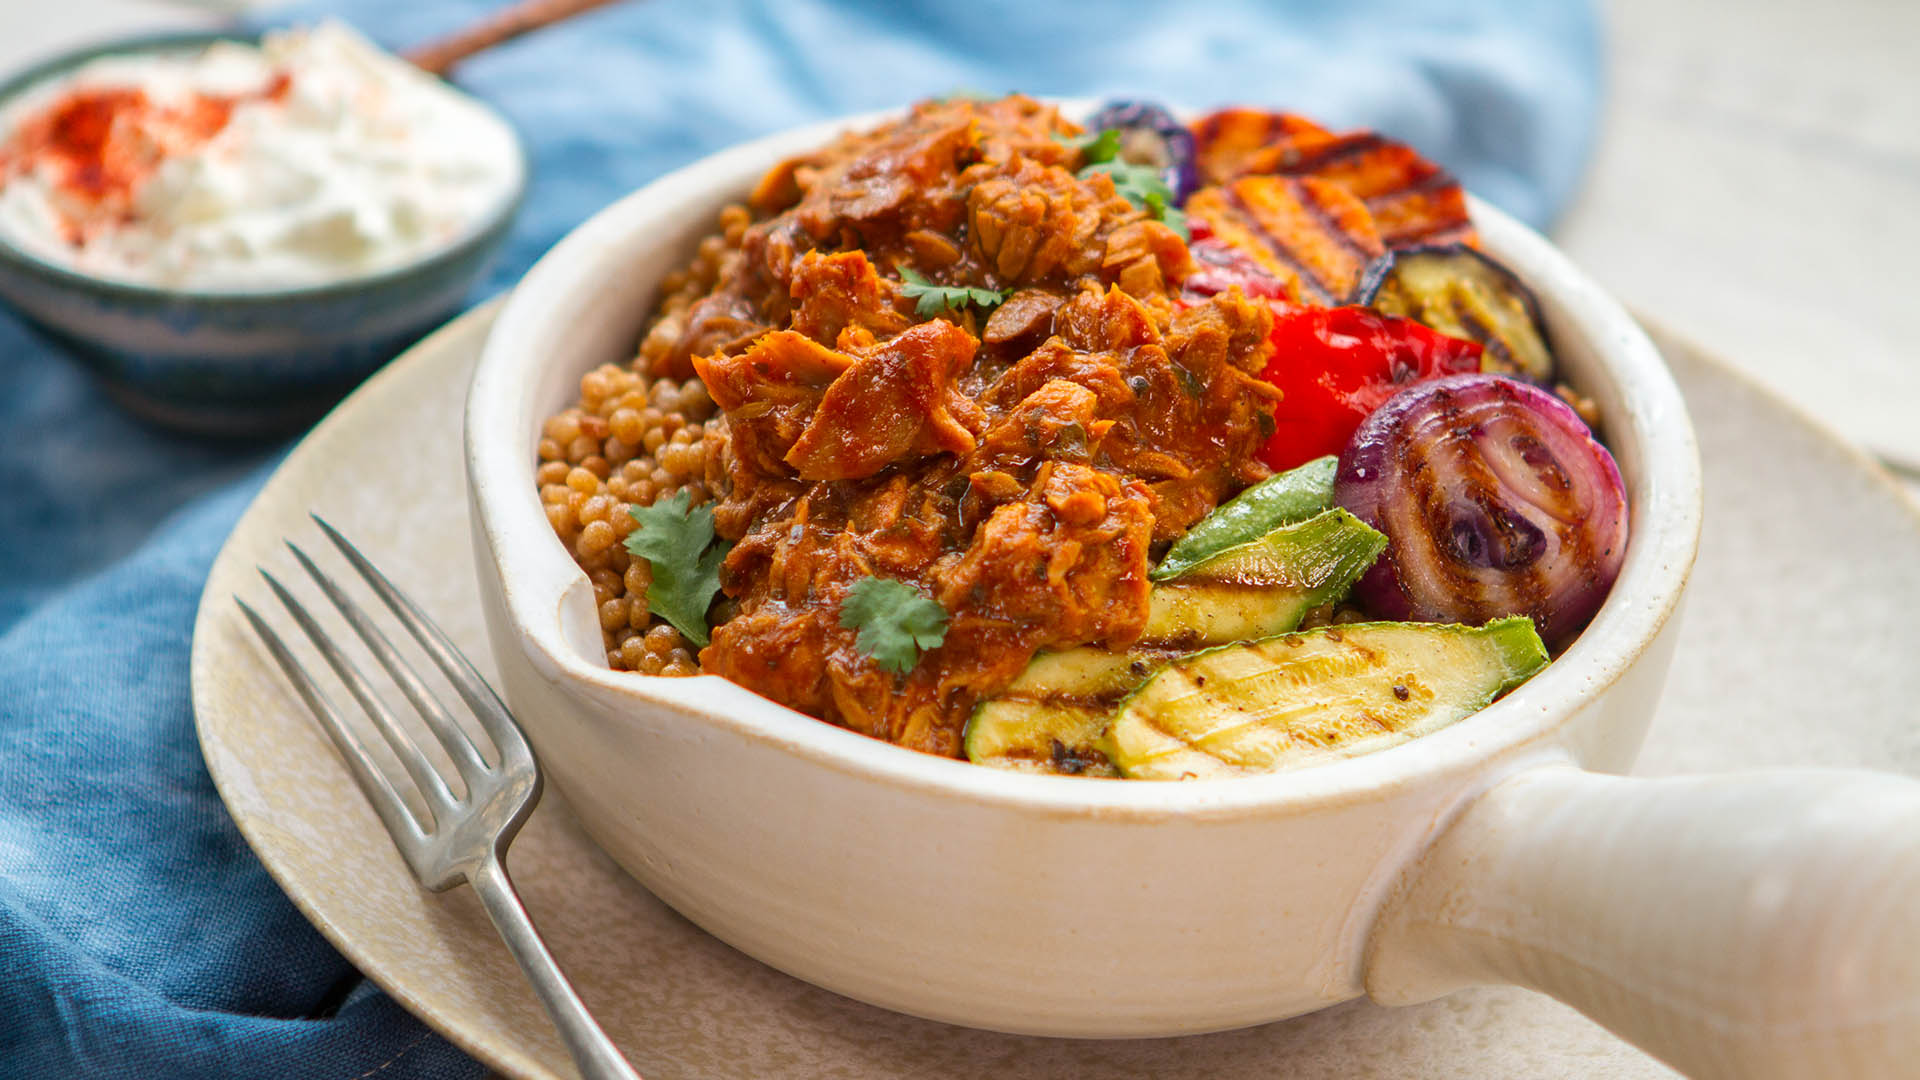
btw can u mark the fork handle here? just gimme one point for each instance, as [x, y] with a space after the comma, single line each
[593, 1053]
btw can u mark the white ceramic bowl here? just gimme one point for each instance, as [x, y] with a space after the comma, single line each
[1068, 906]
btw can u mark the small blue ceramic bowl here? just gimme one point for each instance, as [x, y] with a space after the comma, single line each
[240, 363]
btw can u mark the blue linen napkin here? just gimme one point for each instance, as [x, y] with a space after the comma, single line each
[138, 935]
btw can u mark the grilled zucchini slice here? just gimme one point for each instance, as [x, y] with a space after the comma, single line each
[1305, 698]
[1052, 717]
[1281, 499]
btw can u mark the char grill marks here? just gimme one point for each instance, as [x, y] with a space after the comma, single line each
[1499, 518]
[1244, 142]
[1414, 201]
[1411, 201]
[1310, 234]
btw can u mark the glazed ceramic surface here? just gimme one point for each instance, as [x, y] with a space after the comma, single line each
[1046, 905]
[1743, 694]
[240, 363]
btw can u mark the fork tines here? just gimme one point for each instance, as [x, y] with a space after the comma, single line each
[461, 837]
[513, 755]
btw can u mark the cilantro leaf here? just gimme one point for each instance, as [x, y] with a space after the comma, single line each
[934, 299]
[1174, 217]
[896, 622]
[1094, 146]
[1134, 181]
[1144, 187]
[676, 538]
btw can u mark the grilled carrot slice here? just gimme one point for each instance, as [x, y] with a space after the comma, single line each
[1231, 143]
[1413, 201]
[1311, 234]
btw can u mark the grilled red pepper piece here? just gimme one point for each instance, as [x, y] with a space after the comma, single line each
[1219, 267]
[1334, 366]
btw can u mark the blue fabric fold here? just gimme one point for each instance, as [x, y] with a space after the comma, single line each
[139, 937]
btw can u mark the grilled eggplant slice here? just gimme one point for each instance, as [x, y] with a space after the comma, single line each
[1308, 233]
[1462, 292]
[1052, 717]
[1305, 698]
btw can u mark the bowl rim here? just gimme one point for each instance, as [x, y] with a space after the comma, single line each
[478, 235]
[535, 572]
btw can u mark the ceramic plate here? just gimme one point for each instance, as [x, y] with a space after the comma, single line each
[1798, 625]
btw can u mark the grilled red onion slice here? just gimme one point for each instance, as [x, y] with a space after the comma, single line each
[1495, 500]
[1149, 135]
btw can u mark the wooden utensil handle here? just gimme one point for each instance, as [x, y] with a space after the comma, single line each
[1748, 926]
[439, 57]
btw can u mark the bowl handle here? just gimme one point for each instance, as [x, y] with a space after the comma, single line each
[1746, 925]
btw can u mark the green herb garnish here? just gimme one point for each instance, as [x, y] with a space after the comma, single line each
[1094, 146]
[896, 622]
[1144, 187]
[1141, 185]
[1172, 216]
[934, 299]
[676, 538]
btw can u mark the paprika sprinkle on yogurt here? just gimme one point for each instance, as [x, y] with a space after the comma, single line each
[310, 158]
[98, 145]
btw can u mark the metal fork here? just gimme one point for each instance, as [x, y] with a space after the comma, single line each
[461, 838]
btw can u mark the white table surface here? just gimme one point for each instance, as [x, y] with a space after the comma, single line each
[1757, 188]
[1756, 185]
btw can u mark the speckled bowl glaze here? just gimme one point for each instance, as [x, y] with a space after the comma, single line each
[1751, 926]
[240, 363]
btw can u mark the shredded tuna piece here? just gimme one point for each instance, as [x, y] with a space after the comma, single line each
[897, 400]
[1016, 462]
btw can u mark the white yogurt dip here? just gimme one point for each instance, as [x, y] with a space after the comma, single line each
[313, 158]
